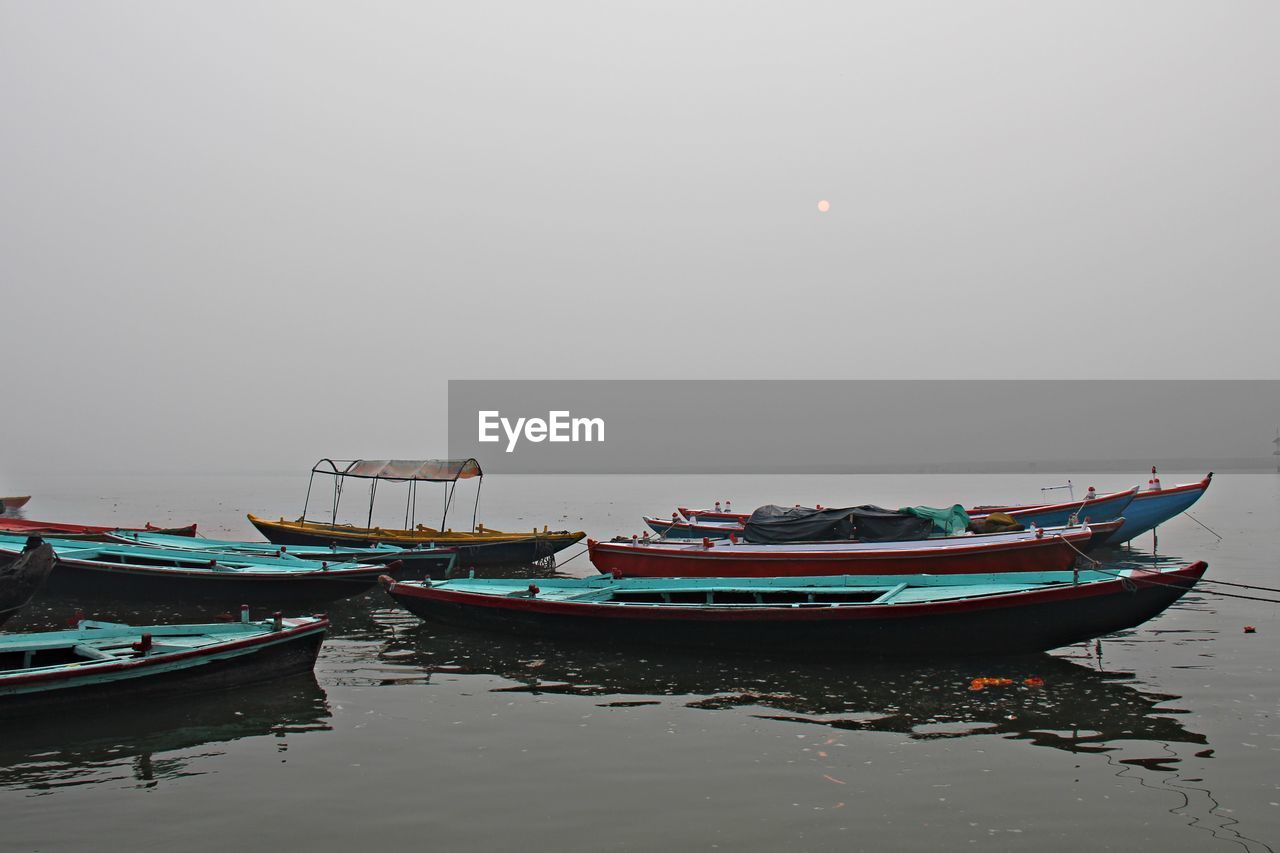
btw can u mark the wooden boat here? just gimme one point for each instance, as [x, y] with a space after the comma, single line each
[1155, 505]
[1102, 531]
[99, 661]
[692, 527]
[97, 569]
[64, 530]
[717, 524]
[20, 579]
[477, 546]
[418, 561]
[9, 503]
[1146, 509]
[1022, 551]
[1093, 508]
[850, 617]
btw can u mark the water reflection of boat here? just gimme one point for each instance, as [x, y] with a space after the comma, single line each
[151, 742]
[1050, 701]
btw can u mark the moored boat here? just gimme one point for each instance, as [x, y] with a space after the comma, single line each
[101, 660]
[717, 524]
[692, 527]
[99, 569]
[14, 502]
[1091, 508]
[485, 546]
[1021, 551]
[1144, 511]
[418, 561]
[850, 617]
[478, 546]
[1156, 505]
[21, 578]
[67, 530]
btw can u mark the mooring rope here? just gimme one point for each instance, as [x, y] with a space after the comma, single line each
[1149, 582]
[1202, 524]
[1097, 568]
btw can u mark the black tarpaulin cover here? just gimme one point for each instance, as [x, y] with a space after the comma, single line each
[775, 524]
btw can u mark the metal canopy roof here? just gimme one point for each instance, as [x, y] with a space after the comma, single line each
[421, 470]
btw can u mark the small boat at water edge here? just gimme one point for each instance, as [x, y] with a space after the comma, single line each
[9, 503]
[98, 661]
[96, 569]
[858, 617]
[83, 531]
[23, 577]
[1021, 551]
[418, 561]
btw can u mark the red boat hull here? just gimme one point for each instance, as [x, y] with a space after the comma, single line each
[81, 531]
[1052, 553]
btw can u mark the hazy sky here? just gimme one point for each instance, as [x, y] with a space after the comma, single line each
[244, 235]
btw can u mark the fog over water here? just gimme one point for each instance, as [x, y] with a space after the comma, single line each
[241, 236]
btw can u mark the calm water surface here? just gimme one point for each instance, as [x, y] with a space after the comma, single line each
[416, 734]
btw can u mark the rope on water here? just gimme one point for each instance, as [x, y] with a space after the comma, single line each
[1097, 568]
[574, 557]
[1202, 524]
[1149, 582]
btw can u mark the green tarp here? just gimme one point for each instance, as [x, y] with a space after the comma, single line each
[950, 521]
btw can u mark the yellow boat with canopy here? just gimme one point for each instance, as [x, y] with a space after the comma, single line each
[478, 546]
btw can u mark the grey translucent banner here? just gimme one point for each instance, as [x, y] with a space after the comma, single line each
[857, 426]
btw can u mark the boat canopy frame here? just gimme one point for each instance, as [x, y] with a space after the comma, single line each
[411, 471]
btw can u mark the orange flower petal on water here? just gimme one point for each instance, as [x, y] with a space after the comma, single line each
[983, 683]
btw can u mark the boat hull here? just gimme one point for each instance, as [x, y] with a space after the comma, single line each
[262, 659]
[88, 579]
[29, 527]
[1012, 624]
[484, 550]
[1151, 509]
[669, 529]
[1103, 508]
[15, 502]
[22, 577]
[1051, 553]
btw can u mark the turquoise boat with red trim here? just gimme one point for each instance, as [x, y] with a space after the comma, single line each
[854, 617]
[98, 661]
[116, 571]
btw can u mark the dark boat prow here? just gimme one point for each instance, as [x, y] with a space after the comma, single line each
[22, 578]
